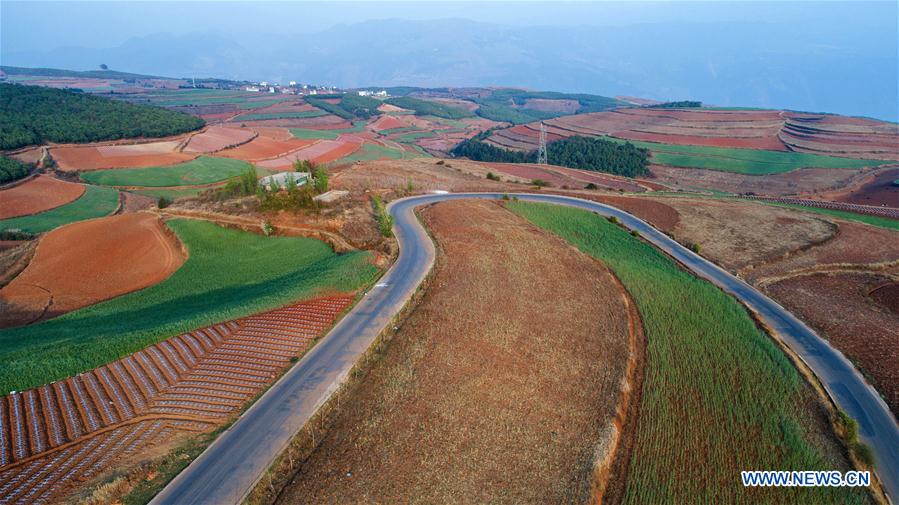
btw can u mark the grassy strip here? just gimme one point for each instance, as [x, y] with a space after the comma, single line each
[173, 194]
[412, 137]
[248, 105]
[744, 161]
[95, 202]
[718, 397]
[203, 170]
[280, 115]
[228, 274]
[302, 133]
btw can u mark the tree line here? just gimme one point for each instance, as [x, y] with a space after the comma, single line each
[585, 153]
[34, 115]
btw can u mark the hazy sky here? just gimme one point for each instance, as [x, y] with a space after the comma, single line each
[818, 56]
[36, 25]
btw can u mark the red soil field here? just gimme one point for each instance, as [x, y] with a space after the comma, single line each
[663, 217]
[386, 122]
[70, 159]
[877, 190]
[56, 436]
[561, 176]
[264, 148]
[37, 195]
[274, 132]
[87, 262]
[323, 151]
[328, 122]
[216, 138]
[888, 296]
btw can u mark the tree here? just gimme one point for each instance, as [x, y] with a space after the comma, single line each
[320, 180]
[103, 66]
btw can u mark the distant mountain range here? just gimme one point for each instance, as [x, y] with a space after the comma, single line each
[729, 64]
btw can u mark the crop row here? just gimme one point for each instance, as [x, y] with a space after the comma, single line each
[73, 428]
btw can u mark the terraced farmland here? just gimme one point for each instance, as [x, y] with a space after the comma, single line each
[718, 395]
[228, 274]
[203, 170]
[71, 430]
[95, 202]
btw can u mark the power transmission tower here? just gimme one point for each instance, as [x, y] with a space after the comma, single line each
[541, 151]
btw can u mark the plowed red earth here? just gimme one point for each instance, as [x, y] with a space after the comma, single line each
[262, 148]
[84, 263]
[58, 436]
[216, 138]
[151, 154]
[387, 122]
[323, 151]
[37, 195]
[881, 190]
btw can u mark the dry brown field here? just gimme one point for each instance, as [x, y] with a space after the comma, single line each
[510, 368]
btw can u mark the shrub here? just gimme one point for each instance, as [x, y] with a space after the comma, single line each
[163, 202]
[540, 183]
[591, 186]
[267, 228]
[492, 176]
[613, 219]
[15, 234]
[695, 247]
[635, 233]
[385, 220]
[864, 454]
[505, 196]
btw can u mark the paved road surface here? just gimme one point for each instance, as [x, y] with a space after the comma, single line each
[231, 466]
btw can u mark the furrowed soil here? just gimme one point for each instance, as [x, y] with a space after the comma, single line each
[497, 388]
[84, 263]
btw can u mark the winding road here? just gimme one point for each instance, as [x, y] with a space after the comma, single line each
[230, 467]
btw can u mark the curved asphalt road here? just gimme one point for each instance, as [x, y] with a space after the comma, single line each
[232, 465]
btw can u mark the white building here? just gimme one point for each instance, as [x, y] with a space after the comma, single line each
[280, 179]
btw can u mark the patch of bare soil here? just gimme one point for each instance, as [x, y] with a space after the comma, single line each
[888, 296]
[659, 214]
[423, 174]
[133, 202]
[498, 388]
[839, 306]
[855, 246]
[807, 180]
[14, 259]
[739, 235]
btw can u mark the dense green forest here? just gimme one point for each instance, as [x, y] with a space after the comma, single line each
[586, 153]
[11, 169]
[590, 153]
[476, 150]
[429, 108]
[33, 115]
